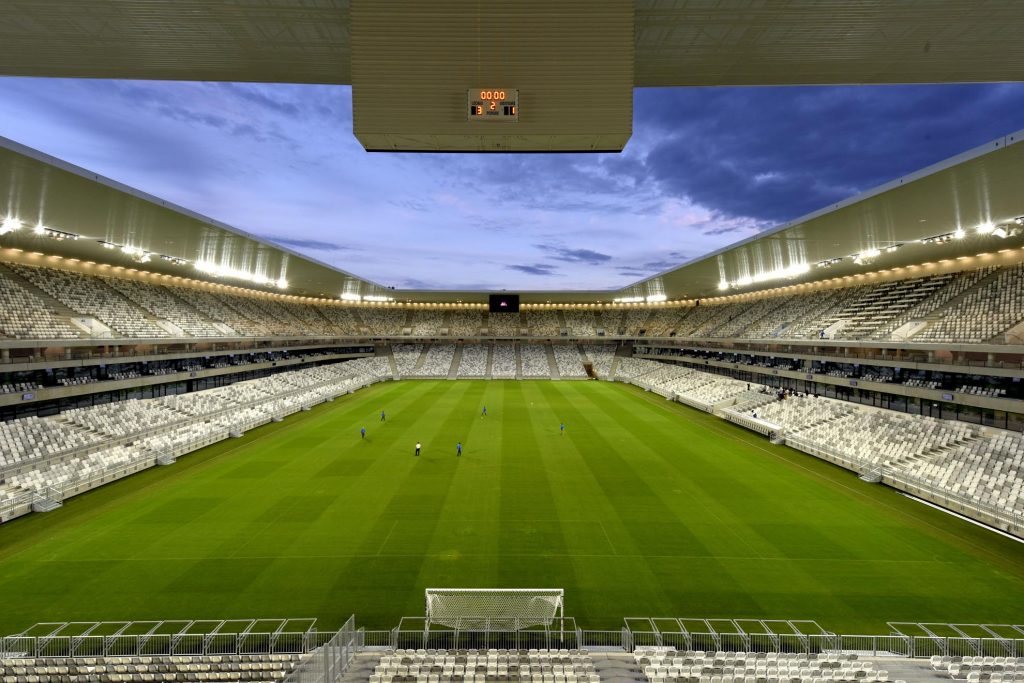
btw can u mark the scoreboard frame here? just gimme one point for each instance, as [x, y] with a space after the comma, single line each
[492, 104]
[503, 303]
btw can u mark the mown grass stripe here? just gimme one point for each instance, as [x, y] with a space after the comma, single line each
[643, 507]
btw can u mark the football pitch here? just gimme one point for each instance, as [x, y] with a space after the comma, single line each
[641, 507]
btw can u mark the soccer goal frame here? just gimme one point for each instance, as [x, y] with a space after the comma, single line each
[508, 609]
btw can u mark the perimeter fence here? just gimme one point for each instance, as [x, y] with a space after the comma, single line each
[330, 661]
[625, 640]
[163, 645]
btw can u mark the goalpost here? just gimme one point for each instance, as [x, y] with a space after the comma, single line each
[494, 609]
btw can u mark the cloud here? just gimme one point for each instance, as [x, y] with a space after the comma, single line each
[650, 267]
[587, 256]
[662, 265]
[310, 244]
[630, 271]
[541, 269]
[411, 204]
[775, 154]
[705, 167]
[723, 230]
[415, 283]
[262, 97]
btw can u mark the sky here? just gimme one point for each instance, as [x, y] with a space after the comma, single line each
[705, 167]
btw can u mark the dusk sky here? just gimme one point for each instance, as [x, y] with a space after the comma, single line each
[705, 167]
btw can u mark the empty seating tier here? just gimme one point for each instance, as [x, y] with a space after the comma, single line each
[983, 305]
[474, 360]
[483, 666]
[137, 669]
[569, 361]
[534, 361]
[696, 666]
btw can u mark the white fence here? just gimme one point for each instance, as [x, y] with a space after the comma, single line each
[625, 640]
[763, 427]
[162, 644]
[332, 652]
[328, 663]
[1008, 520]
[817, 450]
[444, 639]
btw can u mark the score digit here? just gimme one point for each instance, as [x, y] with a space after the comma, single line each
[493, 104]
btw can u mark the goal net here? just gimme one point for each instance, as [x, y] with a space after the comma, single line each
[498, 609]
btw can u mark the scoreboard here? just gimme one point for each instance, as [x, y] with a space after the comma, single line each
[504, 303]
[493, 104]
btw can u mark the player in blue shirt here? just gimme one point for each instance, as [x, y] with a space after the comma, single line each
[458, 449]
[561, 428]
[483, 413]
[362, 432]
[382, 416]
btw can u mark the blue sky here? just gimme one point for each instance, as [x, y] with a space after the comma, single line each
[705, 167]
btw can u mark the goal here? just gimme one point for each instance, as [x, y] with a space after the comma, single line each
[496, 609]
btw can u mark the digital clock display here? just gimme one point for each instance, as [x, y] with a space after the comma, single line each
[493, 104]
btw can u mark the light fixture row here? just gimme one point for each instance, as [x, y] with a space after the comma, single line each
[651, 299]
[11, 224]
[377, 298]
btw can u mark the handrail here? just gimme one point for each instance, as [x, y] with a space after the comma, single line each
[708, 344]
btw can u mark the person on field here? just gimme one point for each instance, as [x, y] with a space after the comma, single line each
[458, 449]
[483, 413]
[561, 428]
[418, 449]
[362, 432]
[382, 416]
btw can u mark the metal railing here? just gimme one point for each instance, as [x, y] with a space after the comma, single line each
[762, 427]
[824, 349]
[331, 653]
[474, 639]
[626, 640]
[329, 661]
[892, 645]
[1010, 520]
[162, 644]
[817, 450]
[9, 506]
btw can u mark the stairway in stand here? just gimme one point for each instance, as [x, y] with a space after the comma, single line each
[552, 363]
[453, 371]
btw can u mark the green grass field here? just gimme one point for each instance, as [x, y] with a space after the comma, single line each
[642, 508]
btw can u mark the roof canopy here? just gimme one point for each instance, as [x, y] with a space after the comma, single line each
[911, 220]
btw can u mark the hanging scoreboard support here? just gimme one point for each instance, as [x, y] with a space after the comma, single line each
[493, 104]
[439, 76]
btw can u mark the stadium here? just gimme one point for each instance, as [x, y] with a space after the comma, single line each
[798, 458]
